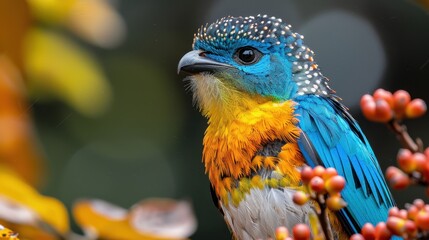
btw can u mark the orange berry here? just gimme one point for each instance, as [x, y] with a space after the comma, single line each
[301, 232]
[420, 161]
[396, 225]
[335, 184]
[329, 172]
[419, 203]
[300, 198]
[416, 108]
[368, 231]
[403, 214]
[357, 237]
[410, 228]
[406, 161]
[367, 104]
[422, 220]
[425, 171]
[394, 212]
[399, 181]
[319, 171]
[306, 174]
[282, 233]
[335, 203]
[400, 100]
[426, 152]
[412, 212]
[391, 172]
[385, 95]
[317, 185]
[383, 112]
[382, 232]
[365, 99]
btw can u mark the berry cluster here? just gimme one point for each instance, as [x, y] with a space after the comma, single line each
[300, 232]
[410, 223]
[318, 182]
[383, 106]
[413, 169]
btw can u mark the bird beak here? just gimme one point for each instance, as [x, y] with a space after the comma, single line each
[196, 62]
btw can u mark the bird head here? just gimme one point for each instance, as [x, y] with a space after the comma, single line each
[236, 59]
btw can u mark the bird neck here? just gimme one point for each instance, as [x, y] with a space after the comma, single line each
[220, 101]
[231, 145]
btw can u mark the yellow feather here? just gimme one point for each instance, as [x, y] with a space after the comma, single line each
[240, 124]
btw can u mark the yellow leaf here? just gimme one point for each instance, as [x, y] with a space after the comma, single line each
[35, 208]
[101, 219]
[53, 11]
[96, 21]
[57, 67]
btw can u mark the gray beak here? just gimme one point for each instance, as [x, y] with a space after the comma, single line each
[195, 62]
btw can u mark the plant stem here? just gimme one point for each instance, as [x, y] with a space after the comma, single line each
[404, 137]
[324, 218]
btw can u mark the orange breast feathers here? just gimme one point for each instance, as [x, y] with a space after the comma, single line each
[230, 145]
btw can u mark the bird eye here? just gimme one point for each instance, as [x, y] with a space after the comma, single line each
[247, 55]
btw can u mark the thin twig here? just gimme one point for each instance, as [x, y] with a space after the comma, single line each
[324, 218]
[405, 138]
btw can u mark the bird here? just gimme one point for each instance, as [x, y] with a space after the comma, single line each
[270, 112]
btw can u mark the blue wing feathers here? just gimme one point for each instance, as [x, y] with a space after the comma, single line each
[339, 142]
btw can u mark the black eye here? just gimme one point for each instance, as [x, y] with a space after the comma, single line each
[247, 55]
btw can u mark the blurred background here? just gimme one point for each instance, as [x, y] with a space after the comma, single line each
[97, 109]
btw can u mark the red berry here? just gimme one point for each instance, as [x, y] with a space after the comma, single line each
[425, 171]
[391, 172]
[415, 108]
[282, 233]
[367, 105]
[300, 198]
[400, 100]
[357, 237]
[399, 181]
[329, 172]
[365, 99]
[394, 212]
[422, 220]
[306, 174]
[427, 153]
[368, 231]
[335, 203]
[384, 95]
[317, 184]
[403, 214]
[419, 203]
[383, 112]
[410, 228]
[301, 232]
[319, 171]
[335, 184]
[406, 161]
[381, 232]
[412, 212]
[396, 225]
[420, 161]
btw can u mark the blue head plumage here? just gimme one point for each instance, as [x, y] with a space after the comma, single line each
[265, 56]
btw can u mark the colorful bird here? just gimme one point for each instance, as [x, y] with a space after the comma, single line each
[271, 111]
